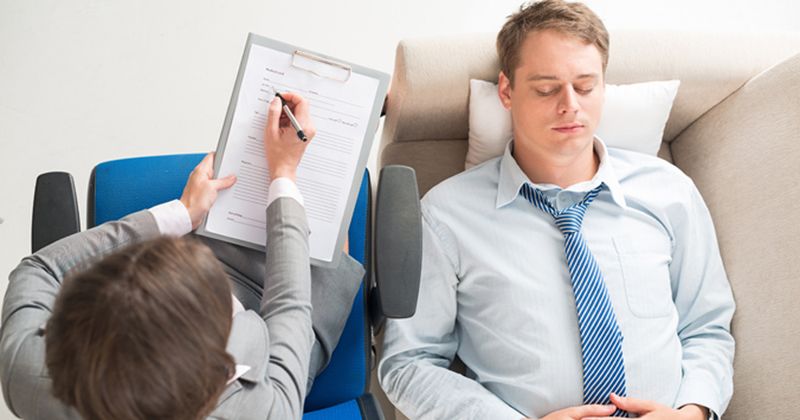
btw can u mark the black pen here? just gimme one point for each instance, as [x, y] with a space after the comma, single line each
[300, 134]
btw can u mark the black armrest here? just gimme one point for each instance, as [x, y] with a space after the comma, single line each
[55, 209]
[369, 407]
[398, 245]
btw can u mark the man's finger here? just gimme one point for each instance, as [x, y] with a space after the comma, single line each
[633, 405]
[598, 410]
[223, 183]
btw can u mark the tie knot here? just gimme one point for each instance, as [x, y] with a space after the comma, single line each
[568, 220]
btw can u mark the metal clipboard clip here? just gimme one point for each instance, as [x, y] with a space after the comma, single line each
[321, 66]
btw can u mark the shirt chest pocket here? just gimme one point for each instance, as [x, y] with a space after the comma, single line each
[645, 272]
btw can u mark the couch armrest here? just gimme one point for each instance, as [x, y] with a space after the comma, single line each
[744, 156]
[398, 245]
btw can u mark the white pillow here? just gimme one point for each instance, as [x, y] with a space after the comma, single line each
[634, 117]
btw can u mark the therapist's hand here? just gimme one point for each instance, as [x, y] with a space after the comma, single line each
[281, 144]
[201, 189]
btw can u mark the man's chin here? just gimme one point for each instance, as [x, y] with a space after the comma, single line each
[558, 145]
[570, 145]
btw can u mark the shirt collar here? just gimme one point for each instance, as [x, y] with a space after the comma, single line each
[512, 177]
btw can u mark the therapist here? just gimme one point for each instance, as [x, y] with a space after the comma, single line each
[129, 320]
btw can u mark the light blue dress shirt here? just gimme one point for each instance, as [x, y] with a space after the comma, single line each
[496, 291]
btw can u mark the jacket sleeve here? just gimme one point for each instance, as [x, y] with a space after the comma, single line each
[32, 290]
[286, 307]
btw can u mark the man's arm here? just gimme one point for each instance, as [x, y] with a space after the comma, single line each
[705, 307]
[418, 351]
[32, 290]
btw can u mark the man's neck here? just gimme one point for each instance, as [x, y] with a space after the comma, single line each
[561, 170]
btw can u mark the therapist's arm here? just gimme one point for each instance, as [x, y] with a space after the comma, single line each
[35, 283]
[28, 304]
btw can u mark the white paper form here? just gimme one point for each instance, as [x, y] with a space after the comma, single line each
[340, 112]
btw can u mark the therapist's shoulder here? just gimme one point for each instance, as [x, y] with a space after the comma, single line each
[474, 188]
[28, 392]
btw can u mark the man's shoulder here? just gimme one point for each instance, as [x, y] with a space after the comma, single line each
[652, 181]
[476, 186]
[635, 167]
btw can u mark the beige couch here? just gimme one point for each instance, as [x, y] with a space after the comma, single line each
[734, 128]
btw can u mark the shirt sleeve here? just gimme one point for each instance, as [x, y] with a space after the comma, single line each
[283, 187]
[705, 305]
[418, 351]
[172, 218]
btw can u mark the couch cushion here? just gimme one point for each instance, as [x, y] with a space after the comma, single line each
[744, 157]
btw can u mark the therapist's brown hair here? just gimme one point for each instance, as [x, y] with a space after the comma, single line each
[141, 334]
[570, 18]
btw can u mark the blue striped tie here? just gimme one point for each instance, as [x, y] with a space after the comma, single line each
[601, 338]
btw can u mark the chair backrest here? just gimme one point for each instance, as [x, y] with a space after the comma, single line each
[734, 129]
[120, 187]
[347, 375]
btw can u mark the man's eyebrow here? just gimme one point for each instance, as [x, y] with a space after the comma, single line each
[537, 77]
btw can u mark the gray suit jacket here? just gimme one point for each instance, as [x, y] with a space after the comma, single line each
[274, 336]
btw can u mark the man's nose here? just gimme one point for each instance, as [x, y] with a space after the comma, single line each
[568, 101]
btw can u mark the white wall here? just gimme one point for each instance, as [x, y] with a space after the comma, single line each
[85, 81]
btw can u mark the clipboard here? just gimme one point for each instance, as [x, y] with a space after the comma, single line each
[313, 66]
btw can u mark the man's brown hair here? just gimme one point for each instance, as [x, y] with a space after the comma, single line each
[142, 333]
[569, 18]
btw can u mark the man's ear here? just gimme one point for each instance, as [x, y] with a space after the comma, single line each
[504, 90]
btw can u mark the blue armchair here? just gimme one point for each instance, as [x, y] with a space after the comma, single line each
[120, 187]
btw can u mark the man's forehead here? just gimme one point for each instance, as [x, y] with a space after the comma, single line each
[552, 55]
[557, 39]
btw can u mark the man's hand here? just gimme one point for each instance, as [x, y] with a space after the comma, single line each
[580, 412]
[651, 410]
[281, 144]
[201, 189]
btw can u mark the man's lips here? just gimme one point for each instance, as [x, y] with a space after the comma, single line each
[568, 128]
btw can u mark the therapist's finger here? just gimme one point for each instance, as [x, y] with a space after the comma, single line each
[223, 183]
[206, 166]
[274, 115]
[298, 104]
[301, 109]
